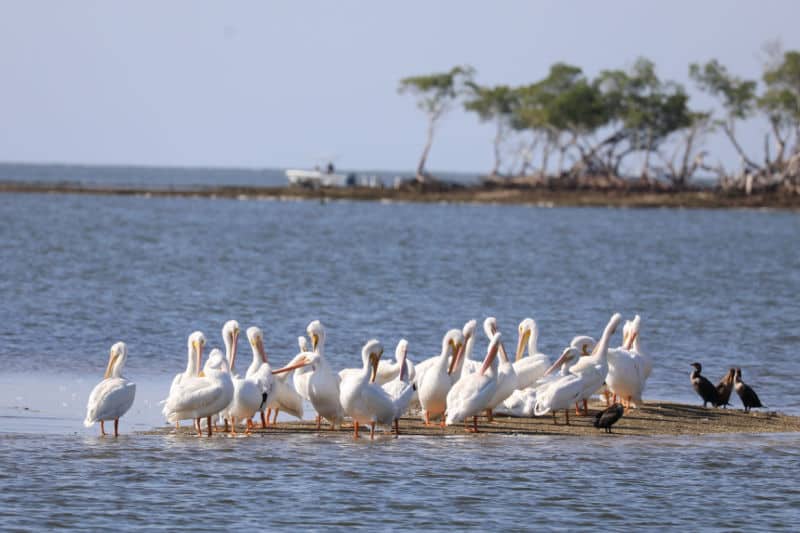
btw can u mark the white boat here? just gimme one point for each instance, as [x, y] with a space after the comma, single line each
[317, 178]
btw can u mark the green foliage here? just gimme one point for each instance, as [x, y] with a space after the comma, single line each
[738, 95]
[781, 100]
[490, 102]
[435, 91]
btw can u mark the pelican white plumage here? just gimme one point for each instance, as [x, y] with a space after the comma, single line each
[113, 397]
[434, 384]
[365, 401]
[465, 364]
[230, 338]
[397, 388]
[628, 368]
[250, 393]
[323, 382]
[389, 371]
[531, 368]
[472, 393]
[302, 375]
[202, 396]
[507, 381]
[282, 395]
[195, 345]
[581, 382]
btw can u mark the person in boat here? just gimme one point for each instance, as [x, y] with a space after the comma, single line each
[330, 169]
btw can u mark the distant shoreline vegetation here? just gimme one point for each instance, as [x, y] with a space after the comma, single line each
[626, 128]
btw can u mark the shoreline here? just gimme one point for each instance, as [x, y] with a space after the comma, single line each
[654, 418]
[472, 194]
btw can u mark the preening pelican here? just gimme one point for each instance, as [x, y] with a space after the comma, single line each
[628, 369]
[434, 384]
[473, 392]
[531, 368]
[202, 396]
[581, 382]
[364, 400]
[195, 345]
[112, 397]
[282, 395]
[397, 388]
[302, 375]
[230, 338]
[250, 393]
[388, 371]
[465, 364]
[506, 375]
[323, 382]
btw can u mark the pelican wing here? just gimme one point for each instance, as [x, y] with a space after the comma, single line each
[110, 399]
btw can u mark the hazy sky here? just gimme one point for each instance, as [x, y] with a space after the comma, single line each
[275, 84]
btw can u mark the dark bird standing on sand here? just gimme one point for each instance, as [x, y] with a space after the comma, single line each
[725, 387]
[703, 387]
[746, 393]
[609, 417]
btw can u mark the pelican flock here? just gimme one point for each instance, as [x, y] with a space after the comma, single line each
[449, 387]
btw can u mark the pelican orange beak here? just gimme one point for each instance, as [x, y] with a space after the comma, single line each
[314, 341]
[235, 343]
[300, 364]
[458, 351]
[112, 358]
[490, 357]
[374, 359]
[262, 352]
[523, 340]
[557, 364]
[631, 338]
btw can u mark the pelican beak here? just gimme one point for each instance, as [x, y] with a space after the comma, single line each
[314, 341]
[374, 359]
[523, 340]
[198, 347]
[557, 364]
[301, 363]
[631, 338]
[235, 344]
[458, 352]
[584, 350]
[112, 358]
[490, 357]
[261, 350]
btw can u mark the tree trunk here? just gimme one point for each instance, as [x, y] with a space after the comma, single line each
[498, 139]
[646, 164]
[421, 175]
[729, 132]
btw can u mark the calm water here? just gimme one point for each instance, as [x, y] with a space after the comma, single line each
[80, 272]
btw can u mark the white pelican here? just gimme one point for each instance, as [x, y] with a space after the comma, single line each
[195, 345]
[250, 393]
[628, 369]
[584, 346]
[202, 396]
[507, 381]
[473, 392]
[365, 401]
[581, 382]
[323, 382]
[389, 371]
[465, 364]
[635, 347]
[397, 388]
[230, 338]
[434, 384]
[112, 397]
[302, 375]
[283, 395]
[531, 368]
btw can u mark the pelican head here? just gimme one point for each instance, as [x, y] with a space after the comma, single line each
[490, 326]
[230, 334]
[613, 323]
[256, 338]
[401, 350]
[116, 359]
[452, 344]
[216, 362]
[371, 355]
[316, 333]
[584, 344]
[632, 332]
[196, 343]
[569, 354]
[526, 328]
[469, 329]
[302, 342]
